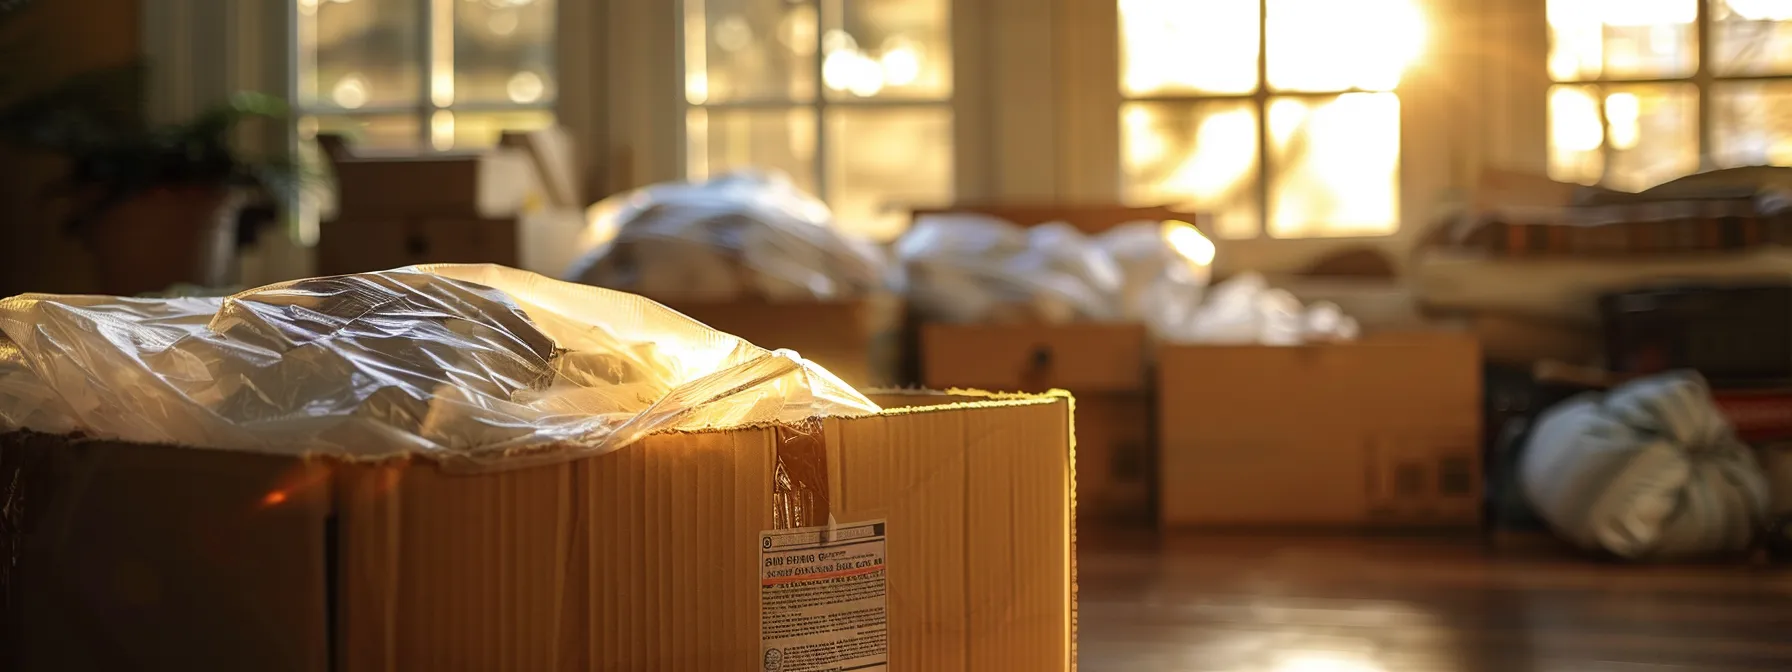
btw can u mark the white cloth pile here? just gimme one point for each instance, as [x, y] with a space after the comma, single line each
[749, 234]
[966, 268]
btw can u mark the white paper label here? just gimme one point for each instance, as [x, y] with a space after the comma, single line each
[822, 599]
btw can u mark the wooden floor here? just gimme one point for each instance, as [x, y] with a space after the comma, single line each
[1249, 604]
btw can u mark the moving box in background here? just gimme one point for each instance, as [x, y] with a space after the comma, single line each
[1102, 364]
[858, 340]
[1381, 432]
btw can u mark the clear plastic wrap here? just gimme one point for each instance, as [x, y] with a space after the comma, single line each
[748, 234]
[484, 364]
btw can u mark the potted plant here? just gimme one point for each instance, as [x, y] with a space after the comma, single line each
[155, 206]
[172, 205]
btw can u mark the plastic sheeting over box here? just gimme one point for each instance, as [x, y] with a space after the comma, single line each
[477, 364]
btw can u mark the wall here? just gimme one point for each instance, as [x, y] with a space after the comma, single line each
[67, 38]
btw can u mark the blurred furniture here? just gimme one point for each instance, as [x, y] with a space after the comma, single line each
[1736, 336]
[399, 209]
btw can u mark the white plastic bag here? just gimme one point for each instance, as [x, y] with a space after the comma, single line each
[1246, 310]
[1165, 268]
[482, 364]
[972, 268]
[750, 234]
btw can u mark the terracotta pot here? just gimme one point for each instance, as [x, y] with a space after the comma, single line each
[166, 237]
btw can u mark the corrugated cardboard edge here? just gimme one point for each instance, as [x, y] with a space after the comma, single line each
[986, 399]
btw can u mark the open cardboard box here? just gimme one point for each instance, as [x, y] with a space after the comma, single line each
[651, 557]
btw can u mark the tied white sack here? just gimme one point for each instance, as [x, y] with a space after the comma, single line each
[744, 234]
[470, 364]
[1648, 470]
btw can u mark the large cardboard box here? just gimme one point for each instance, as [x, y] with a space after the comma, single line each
[857, 340]
[1104, 365]
[1381, 432]
[671, 554]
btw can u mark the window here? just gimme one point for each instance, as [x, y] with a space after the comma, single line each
[1277, 116]
[435, 73]
[850, 98]
[1650, 90]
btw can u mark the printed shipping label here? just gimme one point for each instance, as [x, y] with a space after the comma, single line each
[822, 599]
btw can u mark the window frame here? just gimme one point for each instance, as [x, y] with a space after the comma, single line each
[1704, 80]
[1260, 98]
[1446, 132]
[1035, 102]
[426, 107]
[819, 105]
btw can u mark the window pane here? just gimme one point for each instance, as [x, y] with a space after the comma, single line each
[749, 50]
[1201, 156]
[884, 161]
[1576, 135]
[472, 130]
[723, 140]
[1329, 45]
[359, 54]
[1622, 38]
[503, 52]
[1754, 124]
[1336, 165]
[389, 131]
[1653, 132]
[1752, 37]
[1188, 46]
[883, 49]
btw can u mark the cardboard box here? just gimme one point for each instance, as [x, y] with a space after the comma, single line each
[501, 205]
[349, 245]
[1102, 364]
[1083, 358]
[1385, 431]
[652, 557]
[484, 183]
[856, 340]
